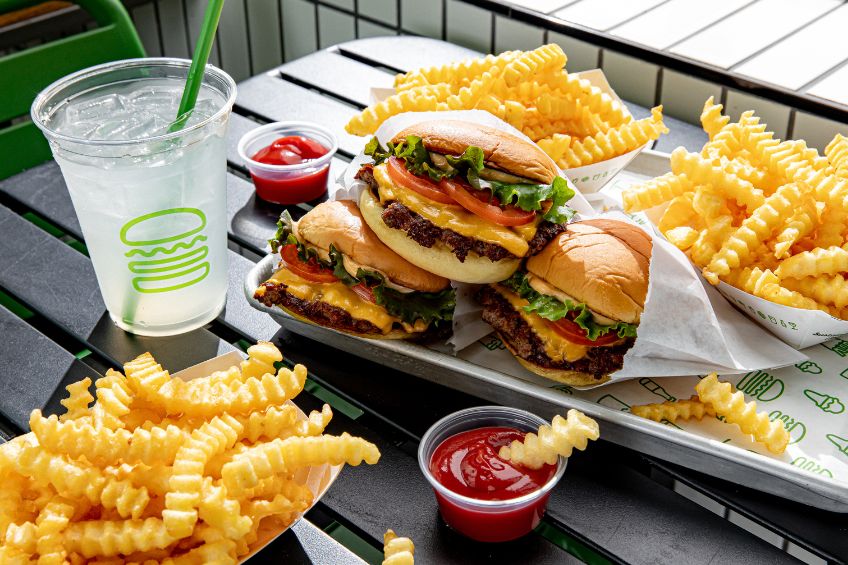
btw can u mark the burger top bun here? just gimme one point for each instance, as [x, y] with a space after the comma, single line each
[603, 263]
[502, 151]
[340, 224]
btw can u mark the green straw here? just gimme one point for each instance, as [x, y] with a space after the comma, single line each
[198, 63]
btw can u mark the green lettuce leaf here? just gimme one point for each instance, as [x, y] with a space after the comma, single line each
[337, 260]
[285, 236]
[554, 309]
[530, 197]
[432, 307]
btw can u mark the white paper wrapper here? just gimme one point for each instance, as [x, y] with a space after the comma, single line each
[710, 336]
[318, 477]
[795, 326]
[590, 178]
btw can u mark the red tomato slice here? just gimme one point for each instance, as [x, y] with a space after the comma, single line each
[364, 292]
[479, 204]
[310, 270]
[575, 334]
[423, 186]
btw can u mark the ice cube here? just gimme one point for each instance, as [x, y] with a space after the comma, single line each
[106, 106]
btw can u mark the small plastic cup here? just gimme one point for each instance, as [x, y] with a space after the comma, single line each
[486, 520]
[288, 184]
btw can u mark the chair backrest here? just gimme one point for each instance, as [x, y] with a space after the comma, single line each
[24, 74]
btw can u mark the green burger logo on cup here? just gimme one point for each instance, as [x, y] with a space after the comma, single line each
[167, 250]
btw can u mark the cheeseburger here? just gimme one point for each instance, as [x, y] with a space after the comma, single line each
[461, 200]
[573, 314]
[335, 272]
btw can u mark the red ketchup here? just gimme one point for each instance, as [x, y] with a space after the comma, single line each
[468, 464]
[291, 187]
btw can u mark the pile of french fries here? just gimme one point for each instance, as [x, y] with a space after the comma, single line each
[767, 216]
[161, 470]
[572, 120]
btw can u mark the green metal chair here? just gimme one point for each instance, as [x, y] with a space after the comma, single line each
[25, 73]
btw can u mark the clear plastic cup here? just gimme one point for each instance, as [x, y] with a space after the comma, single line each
[486, 520]
[152, 204]
[288, 184]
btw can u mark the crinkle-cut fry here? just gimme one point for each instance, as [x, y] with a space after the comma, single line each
[113, 400]
[537, 132]
[680, 213]
[223, 513]
[527, 92]
[453, 73]
[510, 111]
[726, 143]
[186, 483]
[837, 155]
[12, 556]
[712, 120]
[556, 107]
[598, 102]
[819, 261]
[78, 401]
[23, 537]
[548, 57]
[682, 237]
[760, 178]
[11, 499]
[50, 525]
[269, 423]
[280, 504]
[221, 552]
[102, 446]
[834, 222]
[397, 550]
[74, 479]
[419, 99]
[555, 145]
[731, 404]
[832, 290]
[764, 220]
[155, 478]
[708, 203]
[551, 442]
[702, 171]
[105, 538]
[672, 411]
[767, 285]
[711, 240]
[315, 424]
[268, 459]
[615, 141]
[655, 191]
[216, 463]
[260, 360]
[802, 222]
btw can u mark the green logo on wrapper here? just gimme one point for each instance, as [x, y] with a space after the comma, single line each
[809, 367]
[797, 430]
[610, 401]
[826, 402]
[656, 388]
[841, 443]
[811, 466]
[169, 244]
[838, 346]
[761, 385]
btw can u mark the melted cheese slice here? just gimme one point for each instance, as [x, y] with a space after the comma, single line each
[556, 347]
[336, 294]
[457, 218]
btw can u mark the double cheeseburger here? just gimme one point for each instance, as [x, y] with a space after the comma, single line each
[573, 314]
[336, 273]
[461, 200]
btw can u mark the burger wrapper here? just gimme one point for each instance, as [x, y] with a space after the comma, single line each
[318, 478]
[590, 178]
[796, 327]
[686, 327]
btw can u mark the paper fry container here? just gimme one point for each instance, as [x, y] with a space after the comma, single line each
[318, 478]
[590, 178]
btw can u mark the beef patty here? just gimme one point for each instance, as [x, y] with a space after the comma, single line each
[425, 233]
[315, 310]
[499, 313]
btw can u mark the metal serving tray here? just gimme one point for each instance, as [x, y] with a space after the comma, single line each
[679, 446]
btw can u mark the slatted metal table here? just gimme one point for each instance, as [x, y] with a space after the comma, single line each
[614, 505]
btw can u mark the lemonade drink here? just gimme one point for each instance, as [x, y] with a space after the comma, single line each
[151, 204]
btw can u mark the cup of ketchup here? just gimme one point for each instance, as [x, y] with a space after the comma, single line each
[481, 495]
[289, 161]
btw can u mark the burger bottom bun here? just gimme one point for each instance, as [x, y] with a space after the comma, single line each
[437, 259]
[565, 376]
[394, 334]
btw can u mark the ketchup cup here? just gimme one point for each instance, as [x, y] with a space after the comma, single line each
[486, 520]
[288, 184]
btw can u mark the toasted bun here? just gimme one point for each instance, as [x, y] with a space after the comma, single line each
[393, 334]
[603, 263]
[339, 223]
[571, 378]
[502, 151]
[437, 259]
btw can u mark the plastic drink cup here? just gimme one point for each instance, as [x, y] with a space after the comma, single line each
[152, 204]
[486, 520]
